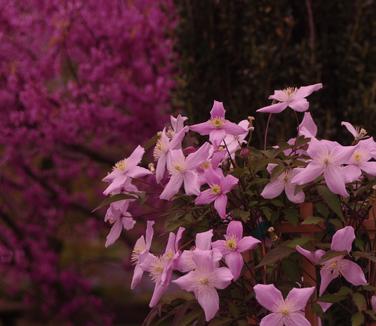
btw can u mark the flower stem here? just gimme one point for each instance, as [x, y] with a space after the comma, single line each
[266, 130]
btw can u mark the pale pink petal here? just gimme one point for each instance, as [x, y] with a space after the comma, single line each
[335, 180]
[316, 148]
[305, 91]
[161, 168]
[149, 233]
[178, 138]
[172, 187]
[351, 173]
[270, 167]
[268, 296]
[216, 136]
[352, 272]
[218, 110]
[324, 305]
[170, 242]
[273, 189]
[178, 237]
[296, 319]
[307, 127]
[297, 298]
[228, 183]
[233, 129]
[187, 282]
[279, 95]
[115, 185]
[342, 240]
[128, 223]
[146, 261]
[114, 233]
[213, 177]
[203, 128]
[159, 290]
[137, 276]
[138, 172]
[235, 228]
[292, 195]
[299, 105]
[135, 157]
[273, 319]
[203, 260]
[178, 122]
[220, 205]
[220, 245]
[274, 108]
[221, 277]
[326, 277]
[369, 167]
[308, 174]
[205, 197]
[342, 154]
[350, 128]
[234, 261]
[209, 301]
[313, 257]
[203, 240]
[247, 243]
[195, 159]
[191, 184]
[185, 262]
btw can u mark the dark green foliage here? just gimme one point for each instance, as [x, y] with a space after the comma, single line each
[239, 51]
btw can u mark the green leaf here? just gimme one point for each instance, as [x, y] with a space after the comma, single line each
[360, 301]
[297, 242]
[275, 255]
[337, 297]
[313, 220]
[113, 199]
[362, 254]
[292, 215]
[331, 200]
[357, 319]
[322, 209]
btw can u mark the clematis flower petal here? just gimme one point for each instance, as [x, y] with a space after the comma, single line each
[220, 205]
[234, 261]
[268, 296]
[342, 240]
[161, 168]
[195, 159]
[335, 180]
[297, 298]
[274, 108]
[187, 281]
[369, 167]
[292, 195]
[191, 184]
[305, 91]
[233, 129]
[216, 137]
[350, 128]
[137, 276]
[307, 127]
[247, 243]
[209, 301]
[310, 173]
[352, 272]
[172, 187]
[203, 240]
[299, 105]
[128, 223]
[275, 319]
[135, 157]
[114, 233]
[313, 257]
[273, 189]
[203, 128]
[373, 302]
[228, 183]
[351, 173]
[235, 228]
[222, 277]
[218, 110]
[326, 277]
[296, 319]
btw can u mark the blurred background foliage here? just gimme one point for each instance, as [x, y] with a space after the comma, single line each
[239, 51]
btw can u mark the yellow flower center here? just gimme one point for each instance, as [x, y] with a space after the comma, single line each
[217, 122]
[204, 281]
[285, 312]
[231, 244]
[156, 270]
[357, 157]
[178, 168]
[159, 149]
[121, 165]
[205, 165]
[216, 189]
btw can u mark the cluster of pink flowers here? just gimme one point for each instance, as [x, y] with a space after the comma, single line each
[199, 172]
[74, 76]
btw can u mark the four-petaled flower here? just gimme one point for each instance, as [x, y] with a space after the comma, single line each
[218, 127]
[219, 187]
[204, 281]
[233, 245]
[286, 312]
[292, 97]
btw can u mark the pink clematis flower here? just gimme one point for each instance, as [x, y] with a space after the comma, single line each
[217, 127]
[161, 268]
[283, 183]
[183, 171]
[204, 281]
[233, 246]
[332, 268]
[163, 148]
[140, 251]
[292, 97]
[314, 257]
[359, 160]
[327, 158]
[234, 142]
[117, 215]
[220, 186]
[125, 169]
[286, 312]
